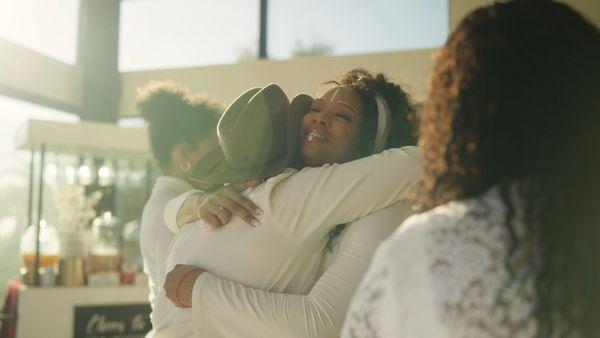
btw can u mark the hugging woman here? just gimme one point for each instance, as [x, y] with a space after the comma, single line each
[181, 127]
[362, 114]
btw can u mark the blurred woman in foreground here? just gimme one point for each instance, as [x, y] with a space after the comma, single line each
[510, 135]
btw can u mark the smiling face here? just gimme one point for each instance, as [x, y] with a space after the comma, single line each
[329, 132]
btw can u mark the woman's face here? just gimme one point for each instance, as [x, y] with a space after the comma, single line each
[329, 132]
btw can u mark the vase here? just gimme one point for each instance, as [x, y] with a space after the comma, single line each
[74, 252]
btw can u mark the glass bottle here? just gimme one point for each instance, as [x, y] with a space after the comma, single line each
[104, 253]
[49, 254]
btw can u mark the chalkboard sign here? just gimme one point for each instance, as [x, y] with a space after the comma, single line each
[112, 321]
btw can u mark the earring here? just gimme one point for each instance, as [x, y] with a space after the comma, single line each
[186, 166]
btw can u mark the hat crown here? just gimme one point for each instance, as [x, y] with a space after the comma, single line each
[255, 134]
[258, 136]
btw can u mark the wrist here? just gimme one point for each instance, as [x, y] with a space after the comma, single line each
[185, 287]
[189, 211]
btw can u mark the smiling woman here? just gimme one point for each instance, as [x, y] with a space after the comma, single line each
[328, 133]
[351, 119]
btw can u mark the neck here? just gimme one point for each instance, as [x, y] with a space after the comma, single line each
[176, 173]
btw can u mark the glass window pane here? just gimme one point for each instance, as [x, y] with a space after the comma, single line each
[178, 33]
[14, 176]
[46, 26]
[342, 27]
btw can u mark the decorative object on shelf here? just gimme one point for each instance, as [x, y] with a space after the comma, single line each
[47, 257]
[90, 167]
[104, 259]
[106, 174]
[75, 209]
[75, 244]
[131, 266]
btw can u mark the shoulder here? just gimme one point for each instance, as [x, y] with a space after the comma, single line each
[408, 158]
[380, 224]
[450, 227]
[419, 228]
[272, 181]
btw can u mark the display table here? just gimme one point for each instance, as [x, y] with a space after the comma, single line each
[83, 312]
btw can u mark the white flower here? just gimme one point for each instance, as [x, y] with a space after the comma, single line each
[74, 207]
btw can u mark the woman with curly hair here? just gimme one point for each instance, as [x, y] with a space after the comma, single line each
[181, 129]
[359, 115]
[510, 131]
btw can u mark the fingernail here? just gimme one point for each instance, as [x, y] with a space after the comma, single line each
[258, 211]
[255, 222]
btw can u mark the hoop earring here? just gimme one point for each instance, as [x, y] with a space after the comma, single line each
[185, 166]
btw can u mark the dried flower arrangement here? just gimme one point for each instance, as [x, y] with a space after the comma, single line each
[75, 209]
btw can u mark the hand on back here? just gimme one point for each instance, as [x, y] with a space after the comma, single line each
[218, 208]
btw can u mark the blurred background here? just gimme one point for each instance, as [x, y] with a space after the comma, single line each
[80, 61]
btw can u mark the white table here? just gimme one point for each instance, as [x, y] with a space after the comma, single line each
[49, 312]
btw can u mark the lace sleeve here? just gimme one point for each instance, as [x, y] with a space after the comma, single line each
[476, 295]
[395, 298]
[444, 275]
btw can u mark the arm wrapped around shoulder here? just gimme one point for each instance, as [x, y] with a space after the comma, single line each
[341, 193]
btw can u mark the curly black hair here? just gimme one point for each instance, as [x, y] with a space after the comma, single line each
[402, 110]
[174, 116]
[514, 101]
[402, 113]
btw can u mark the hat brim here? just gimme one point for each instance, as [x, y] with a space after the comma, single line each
[299, 106]
[214, 169]
[206, 169]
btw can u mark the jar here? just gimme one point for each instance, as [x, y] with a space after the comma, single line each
[132, 264]
[104, 252]
[49, 254]
[75, 245]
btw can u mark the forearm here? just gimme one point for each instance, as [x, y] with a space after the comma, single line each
[188, 212]
[223, 308]
[183, 209]
[341, 193]
[226, 309]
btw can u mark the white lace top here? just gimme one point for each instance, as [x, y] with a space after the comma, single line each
[443, 274]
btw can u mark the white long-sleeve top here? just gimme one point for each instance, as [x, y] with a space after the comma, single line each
[155, 238]
[300, 208]
[228, 309]
[443, 274]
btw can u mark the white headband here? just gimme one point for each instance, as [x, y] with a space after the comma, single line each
[384, 120]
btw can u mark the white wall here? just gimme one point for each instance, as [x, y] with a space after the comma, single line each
[27, 71]
[300, 75]
[459, 8]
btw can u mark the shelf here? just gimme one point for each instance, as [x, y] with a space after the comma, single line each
[82, 137]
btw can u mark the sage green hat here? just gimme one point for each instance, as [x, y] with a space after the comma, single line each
[258, 137]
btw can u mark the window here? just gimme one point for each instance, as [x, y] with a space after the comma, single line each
[342, 27]
[46, 26]
[182, 33]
